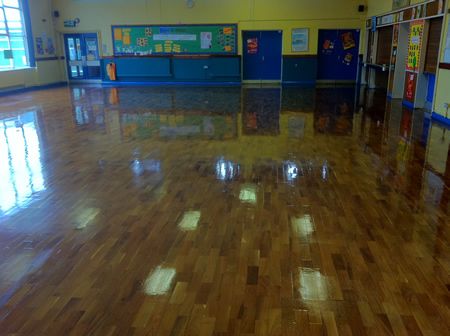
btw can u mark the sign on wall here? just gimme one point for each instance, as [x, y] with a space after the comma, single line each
[300, 39]
[415, 45]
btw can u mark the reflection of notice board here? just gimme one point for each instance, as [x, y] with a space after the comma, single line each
[174, 39]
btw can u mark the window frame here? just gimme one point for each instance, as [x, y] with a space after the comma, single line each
[26, 35]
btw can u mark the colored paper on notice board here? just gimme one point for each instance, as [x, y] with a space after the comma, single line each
[252, 45]
[228, 30]
[126, 40]
[415, 45]
[118, 34]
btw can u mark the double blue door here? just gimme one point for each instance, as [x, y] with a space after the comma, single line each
[262, 55]
[338, 54]
[83, 57]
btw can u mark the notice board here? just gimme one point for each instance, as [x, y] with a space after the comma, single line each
[143, 40]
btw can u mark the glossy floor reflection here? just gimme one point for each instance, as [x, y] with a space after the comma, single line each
[222, 211]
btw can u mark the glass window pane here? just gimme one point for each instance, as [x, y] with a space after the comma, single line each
[19, 52]
[14, 21]
[2, 22]
[5, 63]
[11, 3]
[11, 25]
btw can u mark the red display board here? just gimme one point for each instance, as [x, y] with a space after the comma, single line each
[410, 86]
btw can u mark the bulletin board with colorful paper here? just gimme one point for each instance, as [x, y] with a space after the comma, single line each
[174, 39]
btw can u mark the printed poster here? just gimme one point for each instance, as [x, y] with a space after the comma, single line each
[252, 45]
[50, 46]
[40, 46]
[300, 39]
[348, 42]
[415, 45]
[206, 40]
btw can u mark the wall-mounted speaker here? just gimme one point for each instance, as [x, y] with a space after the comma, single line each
[56, 14]
[361, 8]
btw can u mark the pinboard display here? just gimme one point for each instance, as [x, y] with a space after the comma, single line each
[144, 40]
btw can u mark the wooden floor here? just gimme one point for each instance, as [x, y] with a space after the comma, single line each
[221, 211]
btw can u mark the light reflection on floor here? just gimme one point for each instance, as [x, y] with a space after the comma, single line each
[159, 282]
[21, 175]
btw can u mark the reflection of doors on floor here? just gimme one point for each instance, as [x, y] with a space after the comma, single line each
[338, 54]
[82, 55]
[262, 55]
[261, 111]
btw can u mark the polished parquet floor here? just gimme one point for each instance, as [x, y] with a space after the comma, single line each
[222, 211]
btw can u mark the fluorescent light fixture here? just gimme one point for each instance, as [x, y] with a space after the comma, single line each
[248, 194]
[190, 220]
[159, 281]
[302, 226]
[313, 285]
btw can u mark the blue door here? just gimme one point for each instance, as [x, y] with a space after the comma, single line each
[262, 55]
[338, 54]
[83, 57]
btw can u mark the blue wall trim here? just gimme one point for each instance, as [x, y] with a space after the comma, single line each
[440, 119]
[299, 69]
[299, 83]
[7, 92]
[408, 104]
[29, 31]
[169, 83]
[431, 86]
[173, 69]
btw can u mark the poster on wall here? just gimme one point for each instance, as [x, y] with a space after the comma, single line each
[252, 46]
[300, 39]
[206, 40]
[39, 46]
[415, 45]
[50, 46]
[348, 41]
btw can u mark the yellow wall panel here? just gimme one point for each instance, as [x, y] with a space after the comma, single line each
[249, 14]
[442, 92]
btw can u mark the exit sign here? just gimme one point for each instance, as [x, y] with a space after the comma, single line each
[70, 23]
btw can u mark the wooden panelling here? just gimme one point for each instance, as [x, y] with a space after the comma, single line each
[434, 39]
[384, 45]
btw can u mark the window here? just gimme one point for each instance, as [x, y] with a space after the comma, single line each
[13, 40]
